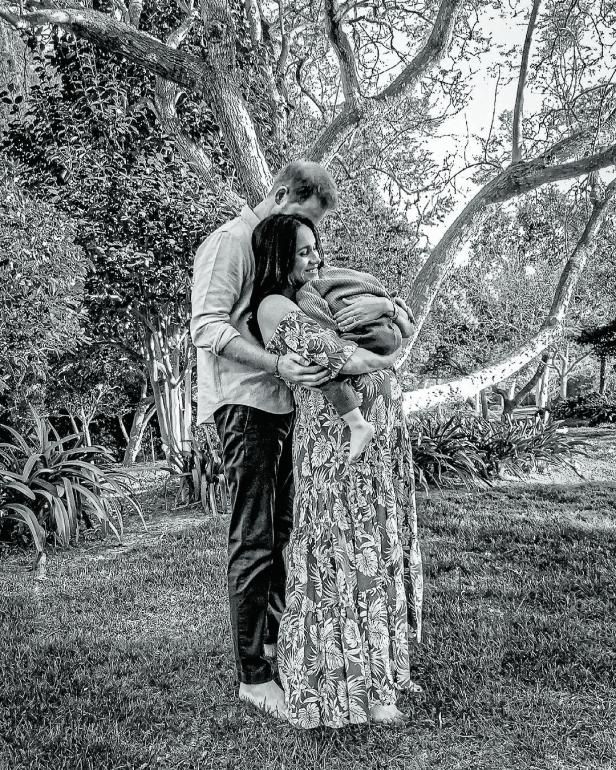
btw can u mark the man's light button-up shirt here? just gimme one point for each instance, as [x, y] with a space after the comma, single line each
[222, 285]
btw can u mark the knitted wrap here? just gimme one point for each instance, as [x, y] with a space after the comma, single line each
[322, 297]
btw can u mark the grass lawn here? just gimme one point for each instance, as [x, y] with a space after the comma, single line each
[125, 662]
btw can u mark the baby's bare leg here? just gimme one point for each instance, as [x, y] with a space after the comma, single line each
[361, 432]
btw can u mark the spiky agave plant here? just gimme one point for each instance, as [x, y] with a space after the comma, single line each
[54, 483]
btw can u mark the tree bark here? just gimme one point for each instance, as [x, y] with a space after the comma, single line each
[602, 375]
[543, 385]
[485, 407]
[166, 96]
[228, 104]
[142, 416]
[518, 110]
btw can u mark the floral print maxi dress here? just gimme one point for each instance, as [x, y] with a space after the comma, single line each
[354, 586]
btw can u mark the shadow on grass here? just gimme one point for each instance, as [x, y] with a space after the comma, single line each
[127, 663]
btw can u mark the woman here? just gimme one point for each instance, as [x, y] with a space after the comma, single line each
[353, 556]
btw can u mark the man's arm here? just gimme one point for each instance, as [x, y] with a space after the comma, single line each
[218, 277]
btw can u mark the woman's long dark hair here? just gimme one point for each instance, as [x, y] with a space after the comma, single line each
[274, 243]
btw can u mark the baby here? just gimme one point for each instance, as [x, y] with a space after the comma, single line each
[321, 299]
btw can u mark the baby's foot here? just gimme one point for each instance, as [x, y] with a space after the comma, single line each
[361, 436]
[387, 715]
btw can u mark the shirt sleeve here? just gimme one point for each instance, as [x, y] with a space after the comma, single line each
[218, 278]
[306, 337]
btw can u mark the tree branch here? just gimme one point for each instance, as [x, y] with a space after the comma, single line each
[516, 152]
[214, 77]
[118, 37]
[517, 179]
[438, 42]
[135, 9]
[251, 9]
[304, 90]
[460, 390]
[166, 95]
[344, 53]
[434, 49]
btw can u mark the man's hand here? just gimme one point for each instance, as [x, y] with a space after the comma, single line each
[360, 311]
[294, 368]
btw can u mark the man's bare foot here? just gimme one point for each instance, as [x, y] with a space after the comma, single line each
[387, 715]
[267, 697]
[270, 650]
[361, 436]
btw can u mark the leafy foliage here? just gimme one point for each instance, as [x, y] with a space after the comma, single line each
[42, 273]
[471, 450]
[56, 486]
[594, 407]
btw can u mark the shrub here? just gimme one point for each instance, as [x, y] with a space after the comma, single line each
[472, 450]
[205, 480]
[444, 452]
[56, 486]
[594, 407]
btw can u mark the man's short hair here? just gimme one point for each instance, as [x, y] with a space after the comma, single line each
[305, 179]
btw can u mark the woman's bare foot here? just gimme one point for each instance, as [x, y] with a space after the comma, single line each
[387, 715]
[267, 697]
[414, 687]
[361, 436]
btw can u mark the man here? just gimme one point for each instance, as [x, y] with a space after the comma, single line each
[253, 413]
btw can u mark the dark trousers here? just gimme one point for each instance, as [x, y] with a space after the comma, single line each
[258, 461]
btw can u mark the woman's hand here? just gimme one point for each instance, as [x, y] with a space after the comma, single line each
[407, 310]
[404, 318]
[360, 311]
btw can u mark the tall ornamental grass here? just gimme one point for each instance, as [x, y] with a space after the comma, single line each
[57, 487]
[469, 450]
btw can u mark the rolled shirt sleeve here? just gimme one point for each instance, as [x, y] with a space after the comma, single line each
[219, 275]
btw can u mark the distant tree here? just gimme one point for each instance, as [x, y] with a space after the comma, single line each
[602, 340]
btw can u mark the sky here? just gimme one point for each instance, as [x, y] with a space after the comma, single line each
[485, 98]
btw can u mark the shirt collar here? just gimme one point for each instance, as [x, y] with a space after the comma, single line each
[249, 216]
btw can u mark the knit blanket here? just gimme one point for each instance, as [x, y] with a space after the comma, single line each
[322, 297]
